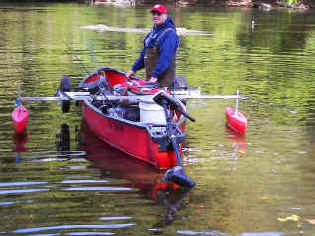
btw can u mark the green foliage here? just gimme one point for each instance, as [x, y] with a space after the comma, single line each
[292, 1]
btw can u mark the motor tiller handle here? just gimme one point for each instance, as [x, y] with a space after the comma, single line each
[163, 98]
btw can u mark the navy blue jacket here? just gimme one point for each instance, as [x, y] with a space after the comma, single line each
[167, 45]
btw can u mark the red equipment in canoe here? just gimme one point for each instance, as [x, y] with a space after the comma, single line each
[20, 118]
[235, 120]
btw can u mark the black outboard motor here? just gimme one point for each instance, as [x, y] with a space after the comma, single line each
[176, 174]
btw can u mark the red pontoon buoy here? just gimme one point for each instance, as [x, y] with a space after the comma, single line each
[235, 120]
[20, 118]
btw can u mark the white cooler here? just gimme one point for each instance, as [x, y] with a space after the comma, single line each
[150, 112]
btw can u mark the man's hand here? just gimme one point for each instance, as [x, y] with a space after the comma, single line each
[130, 73]
[153, 79]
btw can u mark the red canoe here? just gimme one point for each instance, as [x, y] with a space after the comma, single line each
[20, 118]
[136, 129]
[235, 120]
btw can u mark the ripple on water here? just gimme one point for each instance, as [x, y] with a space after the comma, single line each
[115, 218]
[6, 203]
[211, 233]
[83, 181]
[89, 233]
[23, 191]
[12, 184]
[98, 189]
[70, 227]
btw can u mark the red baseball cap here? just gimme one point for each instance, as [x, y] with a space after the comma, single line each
[159, 8]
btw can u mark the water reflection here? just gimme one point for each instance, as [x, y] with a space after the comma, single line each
[239, 142]
[73, 227]
[76, 200]
[115, 164]
[309, 120]
[19, 141]
[63, 138]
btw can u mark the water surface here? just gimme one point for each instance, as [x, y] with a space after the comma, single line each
[58, 179]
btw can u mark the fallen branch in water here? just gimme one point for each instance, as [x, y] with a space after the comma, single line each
[180, 31]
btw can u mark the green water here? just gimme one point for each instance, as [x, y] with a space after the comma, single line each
[246, 186]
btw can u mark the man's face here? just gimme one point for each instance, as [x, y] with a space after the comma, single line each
[158, 18]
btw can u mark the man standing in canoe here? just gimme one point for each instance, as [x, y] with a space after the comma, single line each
[158, 55]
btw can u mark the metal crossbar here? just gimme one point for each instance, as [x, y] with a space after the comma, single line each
[81, 96]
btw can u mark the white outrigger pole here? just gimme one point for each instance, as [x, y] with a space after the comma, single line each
[81, 96]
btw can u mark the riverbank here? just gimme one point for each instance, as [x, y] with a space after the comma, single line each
[267, 4]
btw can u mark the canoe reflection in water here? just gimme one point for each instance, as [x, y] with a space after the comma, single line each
[116, 164]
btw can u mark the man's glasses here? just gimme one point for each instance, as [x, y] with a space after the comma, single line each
[156, 13]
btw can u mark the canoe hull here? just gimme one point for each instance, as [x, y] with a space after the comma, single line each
[128, 137]
[20, 118]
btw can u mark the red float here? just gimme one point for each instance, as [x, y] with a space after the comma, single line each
[20, 117]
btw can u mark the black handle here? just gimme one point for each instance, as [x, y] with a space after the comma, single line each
[187, 115]
[163, 98]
